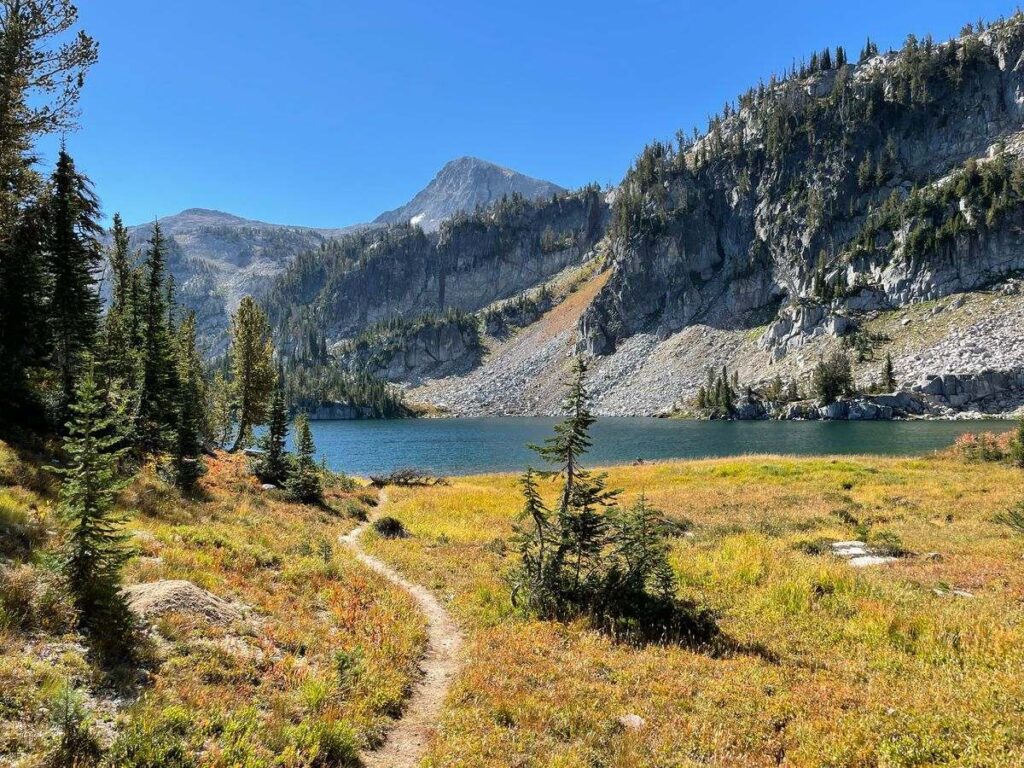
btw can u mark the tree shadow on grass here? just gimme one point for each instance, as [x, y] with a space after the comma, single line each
[643, 620]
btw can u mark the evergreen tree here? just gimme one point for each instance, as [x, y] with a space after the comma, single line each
[641, 546]
[191, 407]
[120, 339]
[792, 392]
[220, 410]
[304, 483]
[273, 465]
[576, 562]
[888, 374]
[120, 336]
[252, 367]
[534, 584]
[96, 543]
[158, 393]
[23, 328]
[73, 255]
[833, 378]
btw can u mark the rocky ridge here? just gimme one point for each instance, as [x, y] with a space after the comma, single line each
[463, 186]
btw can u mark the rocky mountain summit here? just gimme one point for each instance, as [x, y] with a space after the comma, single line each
[463, 186]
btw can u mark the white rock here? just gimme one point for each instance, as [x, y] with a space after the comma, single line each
[631, 722]
[863, 561]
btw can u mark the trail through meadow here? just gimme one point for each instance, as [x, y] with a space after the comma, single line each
[407, 741]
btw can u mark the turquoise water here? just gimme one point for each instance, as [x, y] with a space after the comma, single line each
[467, 446]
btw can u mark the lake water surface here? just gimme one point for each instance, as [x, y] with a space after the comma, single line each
[468, 446]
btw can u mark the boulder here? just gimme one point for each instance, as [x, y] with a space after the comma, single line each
[157, 598]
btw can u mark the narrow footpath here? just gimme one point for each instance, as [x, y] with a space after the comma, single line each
[406, 742]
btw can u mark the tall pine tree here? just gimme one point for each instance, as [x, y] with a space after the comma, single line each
[41, 75]
[273, 465]
[191, 410]
[74, 256]
[157, 396]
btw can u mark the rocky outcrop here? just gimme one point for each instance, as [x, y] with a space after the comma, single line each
[410, 352]
[797, 325]
[464, 185]
[805, 191]
[334, 411]
[985, 391]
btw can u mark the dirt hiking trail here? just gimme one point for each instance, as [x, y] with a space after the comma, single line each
[406, 742]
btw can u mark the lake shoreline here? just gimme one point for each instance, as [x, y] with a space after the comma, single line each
[479, 445]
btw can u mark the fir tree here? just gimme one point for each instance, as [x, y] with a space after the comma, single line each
[158, 395]
[304, 483]
[120, 336]
[273, 465]
[580, 523]
[120, 339]
[23, 329]
[641, 546]
[535, 541]
[252, 367]
[96, 542]
[191, 407]
[888, 374]
[833, 378]
[73, 257]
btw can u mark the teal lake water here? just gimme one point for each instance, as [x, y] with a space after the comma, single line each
[468, 446]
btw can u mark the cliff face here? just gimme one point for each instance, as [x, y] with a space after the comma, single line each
[897, 177]
[409, 351]
[469, 263]
[875, 208]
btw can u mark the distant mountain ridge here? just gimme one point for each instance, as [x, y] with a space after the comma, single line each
[461, 186]
[217, 257]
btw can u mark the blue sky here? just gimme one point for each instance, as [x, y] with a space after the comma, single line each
[326, 113]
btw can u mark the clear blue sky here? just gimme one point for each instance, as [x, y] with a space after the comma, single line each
[326, 112]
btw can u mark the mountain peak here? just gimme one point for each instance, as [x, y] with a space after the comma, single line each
[461, 185]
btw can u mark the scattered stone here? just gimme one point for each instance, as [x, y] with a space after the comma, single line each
[864, 561]
[859, 555]
[631, 722]
[268, 487]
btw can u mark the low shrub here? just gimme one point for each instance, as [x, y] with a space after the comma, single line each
[407, 477]
[165, 741]
[390, 528]
[887, 544]
[984, 446]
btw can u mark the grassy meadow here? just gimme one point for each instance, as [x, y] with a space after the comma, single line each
[314, 666]
[821, 664]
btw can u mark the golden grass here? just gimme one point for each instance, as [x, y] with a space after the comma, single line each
[844, 667]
